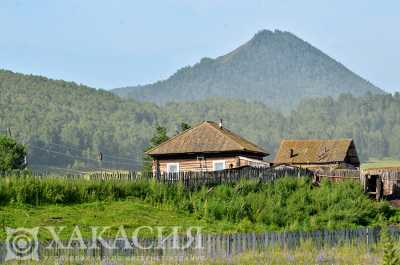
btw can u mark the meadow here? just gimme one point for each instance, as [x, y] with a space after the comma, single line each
[289, 204]
[381, 163]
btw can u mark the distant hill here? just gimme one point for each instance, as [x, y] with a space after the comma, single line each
[66, 125]
[276, 68]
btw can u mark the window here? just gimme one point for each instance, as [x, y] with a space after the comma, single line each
[172, 167]
[218, 165]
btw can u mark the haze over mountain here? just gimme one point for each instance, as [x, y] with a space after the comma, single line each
[276, 68]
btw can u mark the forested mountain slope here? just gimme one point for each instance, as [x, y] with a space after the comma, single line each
[276, 68]
[67, 116]
[66, 125]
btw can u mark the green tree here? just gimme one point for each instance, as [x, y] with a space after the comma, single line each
[12, 154]
[158, 138]
[184, 126]
[390, 256]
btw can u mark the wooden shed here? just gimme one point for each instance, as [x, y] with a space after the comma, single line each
[207, 146]
[382, 181]
[318, 154]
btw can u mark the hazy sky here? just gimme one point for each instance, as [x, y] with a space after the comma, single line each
[115, 43]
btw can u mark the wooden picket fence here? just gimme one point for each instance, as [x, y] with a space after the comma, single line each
[187, 179]
[41, 174]
[195, 179]
[207, 245]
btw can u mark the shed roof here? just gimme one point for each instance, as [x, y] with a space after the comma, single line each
[317, 152]
[206, 137]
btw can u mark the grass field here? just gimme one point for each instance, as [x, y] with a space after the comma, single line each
[376, 163]
[130, 213]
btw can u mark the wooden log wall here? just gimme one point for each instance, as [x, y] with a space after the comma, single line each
[339, 174]
[390, 178]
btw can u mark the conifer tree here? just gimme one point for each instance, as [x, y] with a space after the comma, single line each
[158, 138]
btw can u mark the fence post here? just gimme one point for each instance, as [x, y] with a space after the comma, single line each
[379, 188]
[367, 233]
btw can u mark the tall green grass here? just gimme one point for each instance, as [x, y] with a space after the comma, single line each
[288, 203]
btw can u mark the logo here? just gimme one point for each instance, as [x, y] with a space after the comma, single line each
[22, 244]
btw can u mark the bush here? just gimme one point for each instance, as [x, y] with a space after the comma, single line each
[390, 253]
[33, 191]
[12, 154]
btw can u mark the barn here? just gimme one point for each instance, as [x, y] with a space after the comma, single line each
[318, 154]
[207, 146]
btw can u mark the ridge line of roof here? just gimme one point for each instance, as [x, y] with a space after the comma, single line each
[228, 136]
[240, 137]
[321, 140]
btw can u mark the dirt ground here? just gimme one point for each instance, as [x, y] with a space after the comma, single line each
[395, 203]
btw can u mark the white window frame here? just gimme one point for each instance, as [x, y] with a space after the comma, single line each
[217, 162]
[172, 164]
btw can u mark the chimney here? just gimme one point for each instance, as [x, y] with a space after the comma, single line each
[220, 123]
[291, 153]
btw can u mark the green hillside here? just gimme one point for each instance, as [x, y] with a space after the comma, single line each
[68, 124]
[276, 68]
[65, 124]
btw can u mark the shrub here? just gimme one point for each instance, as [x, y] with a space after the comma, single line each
[12, 154]
[288, 203]
[390, 254]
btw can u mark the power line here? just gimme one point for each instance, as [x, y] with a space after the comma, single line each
[57, 168]
[113, 159]
[121, 158]
[55, 152]
[79, 157]
[82, 170]
[105, 155]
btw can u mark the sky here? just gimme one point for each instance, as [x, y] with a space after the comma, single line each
[116, 43]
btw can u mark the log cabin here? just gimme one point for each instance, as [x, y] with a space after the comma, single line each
[207, 146]
[318, 154]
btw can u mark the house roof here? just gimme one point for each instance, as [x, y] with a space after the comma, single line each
[206, 137]
[317, 151]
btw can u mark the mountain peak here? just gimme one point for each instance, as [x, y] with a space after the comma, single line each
[275, 39]
[274, 67]
[265, 35]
